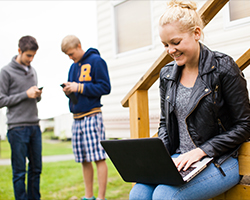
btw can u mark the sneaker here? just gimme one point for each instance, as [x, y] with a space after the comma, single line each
[92, 198]
[100, 199]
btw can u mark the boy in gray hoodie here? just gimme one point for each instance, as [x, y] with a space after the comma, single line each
[19, 93]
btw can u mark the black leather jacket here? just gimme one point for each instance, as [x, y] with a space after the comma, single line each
[218, 119]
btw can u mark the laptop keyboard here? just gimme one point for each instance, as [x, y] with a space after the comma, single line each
[184, 173]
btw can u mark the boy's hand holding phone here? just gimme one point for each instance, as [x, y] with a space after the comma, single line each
[68, 89]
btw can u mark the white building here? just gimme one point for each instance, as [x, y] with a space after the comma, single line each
[62, 126]
[46, 124]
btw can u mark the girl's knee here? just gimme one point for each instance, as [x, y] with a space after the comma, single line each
[164, 192]
[141, 191]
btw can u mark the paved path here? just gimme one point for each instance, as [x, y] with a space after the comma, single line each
[45, 159]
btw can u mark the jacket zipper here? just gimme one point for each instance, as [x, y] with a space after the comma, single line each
[219, 167]
[215, 93]
[217, 164]
[219, 122]
[191, 113]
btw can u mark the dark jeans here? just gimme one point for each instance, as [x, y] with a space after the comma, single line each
[25, 141]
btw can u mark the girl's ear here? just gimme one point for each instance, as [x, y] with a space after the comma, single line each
[197, 33]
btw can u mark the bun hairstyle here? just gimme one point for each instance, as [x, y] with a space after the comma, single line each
[183, 12]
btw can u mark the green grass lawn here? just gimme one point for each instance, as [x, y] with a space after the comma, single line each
[4, 149]
[62, 180]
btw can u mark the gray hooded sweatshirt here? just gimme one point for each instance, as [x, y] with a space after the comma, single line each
[14, 82]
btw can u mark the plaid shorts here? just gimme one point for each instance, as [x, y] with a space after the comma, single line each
[86, 136]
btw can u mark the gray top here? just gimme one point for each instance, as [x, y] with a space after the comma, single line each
[14, 82]
[182, 100]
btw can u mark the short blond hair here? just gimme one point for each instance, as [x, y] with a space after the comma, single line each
[69, 42]
[183, 12]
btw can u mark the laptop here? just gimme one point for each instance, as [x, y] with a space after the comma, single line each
[146, 160]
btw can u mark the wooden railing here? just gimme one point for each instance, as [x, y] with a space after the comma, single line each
[244, 60]
[137, 101]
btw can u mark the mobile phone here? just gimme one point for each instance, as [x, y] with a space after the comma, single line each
[63, 85]
[40, 88]
[72, 96]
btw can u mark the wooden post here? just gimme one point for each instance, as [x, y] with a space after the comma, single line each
[244, 159]
[139, 114]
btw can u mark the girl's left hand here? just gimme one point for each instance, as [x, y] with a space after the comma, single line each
[187, 159]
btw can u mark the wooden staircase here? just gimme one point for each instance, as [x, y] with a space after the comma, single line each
[137, 101]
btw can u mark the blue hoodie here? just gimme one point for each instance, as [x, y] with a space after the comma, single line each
[91, 73]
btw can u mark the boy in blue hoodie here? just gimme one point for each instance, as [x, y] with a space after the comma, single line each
[88, 80]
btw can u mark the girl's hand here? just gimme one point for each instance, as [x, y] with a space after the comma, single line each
[187, 159]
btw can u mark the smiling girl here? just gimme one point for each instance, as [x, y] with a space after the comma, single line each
[204, 109]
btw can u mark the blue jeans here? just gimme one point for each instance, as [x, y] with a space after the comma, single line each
[26, 141]
[208, 184]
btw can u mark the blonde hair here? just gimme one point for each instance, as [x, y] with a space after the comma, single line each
[185, 13]
[69, 42]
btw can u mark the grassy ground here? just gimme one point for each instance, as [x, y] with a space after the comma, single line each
[62, 180]
[4, 149]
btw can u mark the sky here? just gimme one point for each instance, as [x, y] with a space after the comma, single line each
[49, 22]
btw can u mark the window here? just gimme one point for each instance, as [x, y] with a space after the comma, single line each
[237, 13]
[132, 25]
[239, 9]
